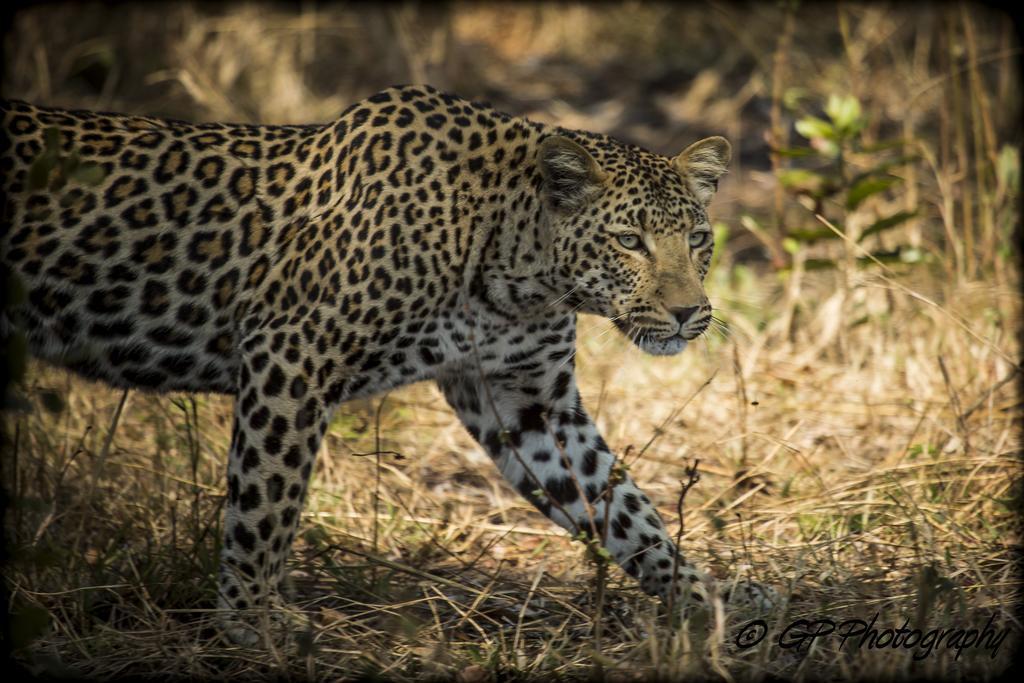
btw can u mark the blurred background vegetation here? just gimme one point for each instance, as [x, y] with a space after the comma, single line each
[858, 440]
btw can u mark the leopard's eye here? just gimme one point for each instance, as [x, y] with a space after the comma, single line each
[630, 241]
[699, 239]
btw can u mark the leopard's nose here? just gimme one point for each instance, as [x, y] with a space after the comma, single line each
[683, 313]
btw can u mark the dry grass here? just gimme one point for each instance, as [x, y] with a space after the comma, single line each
[859, 442]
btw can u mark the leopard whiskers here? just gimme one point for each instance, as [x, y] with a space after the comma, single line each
[719, 327]
[575, 309]
[571, 356]
[563, 297]
[737, 299]
[611, 326]
[634, 336]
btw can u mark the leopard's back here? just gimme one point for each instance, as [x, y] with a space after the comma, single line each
[134, 241]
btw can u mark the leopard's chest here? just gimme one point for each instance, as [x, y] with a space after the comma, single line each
[459, 341]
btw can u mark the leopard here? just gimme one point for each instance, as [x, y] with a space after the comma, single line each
[418, 236]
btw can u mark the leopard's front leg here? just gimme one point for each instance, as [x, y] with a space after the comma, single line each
[280, 419]
[541, 438]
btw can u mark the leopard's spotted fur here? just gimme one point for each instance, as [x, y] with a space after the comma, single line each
[418, 236]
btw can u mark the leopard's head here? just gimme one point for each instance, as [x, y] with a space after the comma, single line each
[629, 234]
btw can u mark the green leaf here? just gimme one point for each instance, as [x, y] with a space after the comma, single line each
[845, 114]
[866, 188]
[52, 138]
[99, 55]
[827, 148]
[89, 174]
[812, 127]
[793, 151]
[813, 234]
[1008, 168]
[720, 231]
[883, 145]
[316, 536]
[751, 224]
[39, 171]
[792, 96]
[801, 180]
[903, 255]
[911, 255]
[884, 167]
[887, 223]
[884, 256]
[70, 163]
[819, 264]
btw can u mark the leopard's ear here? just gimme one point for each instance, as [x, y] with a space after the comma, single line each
[571, 176]
[702, 164]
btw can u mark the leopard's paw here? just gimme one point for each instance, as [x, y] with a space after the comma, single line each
[273, 620]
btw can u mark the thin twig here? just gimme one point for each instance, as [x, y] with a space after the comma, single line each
[376, 480]
[954, 403]
[101, 459]
[692, 477]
